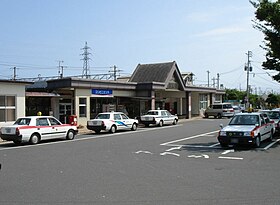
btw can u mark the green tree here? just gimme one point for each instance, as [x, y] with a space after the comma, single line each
[273, 100]
[268, 21]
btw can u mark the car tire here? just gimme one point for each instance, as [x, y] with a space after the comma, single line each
[134, 127]
[34, 139]
[175, 122]
[160, 124]
[219, 115]
[113, 129]
[97, 131]
[206, 115]
[146, 125]
[70, 135]
[257, 141]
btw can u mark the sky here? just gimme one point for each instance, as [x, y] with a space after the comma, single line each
[200, 35]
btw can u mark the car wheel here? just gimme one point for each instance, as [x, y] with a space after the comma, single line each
[70, 135]
[97, 131]
[113, 129]
[34, 139]
[219, 115]
[160, 124]
[206, 115]
[175, 122]
[134, 127]
[257, 141]
[146, 125]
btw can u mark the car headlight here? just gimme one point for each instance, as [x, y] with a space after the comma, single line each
[247, 134]
[223, 133]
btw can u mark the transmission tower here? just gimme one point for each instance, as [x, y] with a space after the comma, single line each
[86, 58]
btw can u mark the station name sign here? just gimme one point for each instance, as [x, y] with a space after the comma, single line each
[102, 92]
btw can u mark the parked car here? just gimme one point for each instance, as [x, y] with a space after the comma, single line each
[112, 121]
[273, 115]
[33, 129]
[236, 109]
[246, 128]
[158, 117]
[219, 110]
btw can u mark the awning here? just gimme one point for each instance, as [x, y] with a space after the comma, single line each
[41, 94]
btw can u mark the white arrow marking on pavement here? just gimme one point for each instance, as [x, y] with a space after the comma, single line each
[194, 156]
[174, 148]
[170, 153]
[146, 152]
[228, 151]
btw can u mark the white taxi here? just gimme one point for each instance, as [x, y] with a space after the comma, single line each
[158, 117]
[112, 121]
[246, 128]
[33, 129]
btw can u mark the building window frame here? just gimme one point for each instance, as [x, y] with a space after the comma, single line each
[82, 107]
[7, 108]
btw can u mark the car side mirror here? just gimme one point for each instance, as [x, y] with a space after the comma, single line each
[221, 126]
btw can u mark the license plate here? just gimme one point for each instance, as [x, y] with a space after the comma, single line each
[8, 130]
[234, 140]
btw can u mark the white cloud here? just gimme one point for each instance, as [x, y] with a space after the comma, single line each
[222, 31]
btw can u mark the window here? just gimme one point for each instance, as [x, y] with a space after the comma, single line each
[203, 101]
[124, 117]
[82, 107]
[7, 108]
[42, 122]
[54, 121]
[117, 117]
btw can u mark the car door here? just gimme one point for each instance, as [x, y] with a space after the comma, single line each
[44, 128]
[126, 121]
[264, 128]
[57, 128]
[119, 123]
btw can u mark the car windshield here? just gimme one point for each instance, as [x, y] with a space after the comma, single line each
[244, 120]
[227, 106]
[103, 116]
[273, 115]
[22, 121]
[152, 113]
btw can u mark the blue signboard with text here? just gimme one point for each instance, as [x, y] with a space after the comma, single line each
[102, 92]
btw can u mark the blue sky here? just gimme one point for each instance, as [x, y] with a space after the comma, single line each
[199, 35]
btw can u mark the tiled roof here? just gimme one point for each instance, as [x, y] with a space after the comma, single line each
[157, 72]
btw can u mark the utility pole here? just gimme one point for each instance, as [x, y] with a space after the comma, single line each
[86, 58]
[249, 69]
[214, 79]
[208, 72]
[115, 72]
[218, 80]
[60, 69]
[15, 73]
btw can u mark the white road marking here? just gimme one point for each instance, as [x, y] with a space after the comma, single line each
[271, 144]
[205, 156]
[194, 156]
[237, 158]
[145, 152]
[214, 145]
[228, 151]
[188, 138]
[173, 148]
[169, 153]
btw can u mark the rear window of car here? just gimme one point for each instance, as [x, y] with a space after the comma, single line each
[22, 121]
[227, 106]
[103, 116]
[217, 106]
[152, 113]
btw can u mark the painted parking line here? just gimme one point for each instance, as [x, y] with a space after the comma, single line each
[234, 158]
[188, 138]
[271, 144]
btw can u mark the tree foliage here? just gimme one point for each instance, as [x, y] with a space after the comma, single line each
[268, 21]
